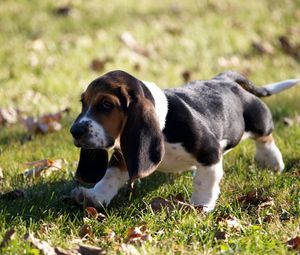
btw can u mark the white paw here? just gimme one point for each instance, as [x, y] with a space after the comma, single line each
[84, 196]
[273, 163]
[207, 207]
[269, 156]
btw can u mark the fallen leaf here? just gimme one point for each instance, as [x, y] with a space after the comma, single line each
[9, 116]
[63, 10]
[159, 203]
[91, 212]
[60, 251]
[44, 124]
[128, 39]
[12, 195]
[262, 47]
[39, 163]
[288, 48]
[173, 30]
[90, 250]
[99, 64]
[294, 243]
[9, 235]
[229, 221]
[43, 167]
[253, 198]
[221, 235]
[186, 76]
[43, 246]
[269, 218]
[138, 234]
[85, 231]
[291, 121]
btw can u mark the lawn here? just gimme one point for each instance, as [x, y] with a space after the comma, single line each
[51, 50]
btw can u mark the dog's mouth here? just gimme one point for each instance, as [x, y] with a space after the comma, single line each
[87, 144]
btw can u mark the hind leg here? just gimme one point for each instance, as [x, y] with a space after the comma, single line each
[258, 121]
[268, 154]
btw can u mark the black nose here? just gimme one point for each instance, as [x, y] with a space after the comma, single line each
[79, 129]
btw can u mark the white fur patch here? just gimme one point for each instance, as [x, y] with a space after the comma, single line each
[268, 155]
[161, 102]
[223, 143]
[176, 159]
[206, 185]
[105, 190]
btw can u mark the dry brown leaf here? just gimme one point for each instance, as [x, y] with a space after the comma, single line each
[288, 48]
[91, 212]
[138, 234]
[253, 198]
[291, 121]
[90, 250]
[85, 231]
[60, 251]
[12, 195]
[294, 243]
[128, 39]
[175, 203]
[159, 203]
[44, 124]
[99, 64]
[269, 218]
[43, 167]
[263, 47]
[186, 76]
[229, 221]
[221, 235]
[63, 10]
[9, 235]
[41, 245]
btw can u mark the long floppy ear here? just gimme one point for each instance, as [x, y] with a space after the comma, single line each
[141, 139]
[92, 166]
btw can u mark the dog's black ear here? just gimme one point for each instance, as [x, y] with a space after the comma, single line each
[141, 139]
[92, 166]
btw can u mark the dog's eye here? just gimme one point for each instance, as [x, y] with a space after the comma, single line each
[106, 105]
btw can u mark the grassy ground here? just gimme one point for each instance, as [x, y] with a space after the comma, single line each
[45, 64]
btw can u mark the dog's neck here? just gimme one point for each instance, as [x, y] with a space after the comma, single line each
[161, 102]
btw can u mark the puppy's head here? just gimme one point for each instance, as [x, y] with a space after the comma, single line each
[118, 110]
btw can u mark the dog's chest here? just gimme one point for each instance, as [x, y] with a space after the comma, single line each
[176, 159]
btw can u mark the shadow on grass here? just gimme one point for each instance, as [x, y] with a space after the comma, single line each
[45, 201]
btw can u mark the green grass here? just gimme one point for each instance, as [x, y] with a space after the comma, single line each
[41, 79]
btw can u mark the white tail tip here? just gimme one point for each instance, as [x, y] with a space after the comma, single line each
[277, 87]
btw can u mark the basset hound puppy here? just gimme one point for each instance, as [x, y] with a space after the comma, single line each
[169, 130]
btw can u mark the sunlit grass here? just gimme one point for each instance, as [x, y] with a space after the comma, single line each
[45, 65]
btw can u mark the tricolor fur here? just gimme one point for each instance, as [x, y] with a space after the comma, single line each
[170, 130]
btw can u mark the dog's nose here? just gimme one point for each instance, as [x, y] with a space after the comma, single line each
[79, 129]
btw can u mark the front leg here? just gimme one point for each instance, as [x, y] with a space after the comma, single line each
[105, 190]
[206, 187]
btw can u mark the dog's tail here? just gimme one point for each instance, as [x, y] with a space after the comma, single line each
[264, 91]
